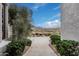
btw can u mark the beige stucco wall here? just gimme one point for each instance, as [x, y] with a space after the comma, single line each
[0, 22]
[4, 43]
[8, 27]
[6, 20]
[9, 31]
[70, 21]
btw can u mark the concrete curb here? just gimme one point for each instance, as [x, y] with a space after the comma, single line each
[27, 51]
[54, 49]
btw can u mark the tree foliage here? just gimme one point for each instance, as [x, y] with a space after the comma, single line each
[20, 20]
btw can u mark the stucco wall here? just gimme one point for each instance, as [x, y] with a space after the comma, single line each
[70, 21]
[9, 31]
[0, 22]
[3, 43]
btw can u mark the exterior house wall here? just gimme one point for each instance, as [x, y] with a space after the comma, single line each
[9, 31]
[6, 20]
[0, 22]
[70, 21]
[3, 43]
[8, 27]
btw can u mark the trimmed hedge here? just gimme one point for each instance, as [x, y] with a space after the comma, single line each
[16, 47]
[66, 47]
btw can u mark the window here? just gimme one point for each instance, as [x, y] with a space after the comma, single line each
[3, 21]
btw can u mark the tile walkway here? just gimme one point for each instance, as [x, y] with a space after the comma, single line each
[40, 47]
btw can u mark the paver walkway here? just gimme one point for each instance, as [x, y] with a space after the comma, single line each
[40, 47]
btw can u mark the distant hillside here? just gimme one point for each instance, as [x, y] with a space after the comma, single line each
[45, 29]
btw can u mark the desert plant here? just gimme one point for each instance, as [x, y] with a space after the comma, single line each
[65, 47]
[16, 47]
[68, 48]
[20, 18]
[55, 39]
[28, 42]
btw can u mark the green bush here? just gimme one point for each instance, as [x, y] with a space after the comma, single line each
[28, 42]
[16, 47]
[65, 47]
[68, 48]
[55, 39]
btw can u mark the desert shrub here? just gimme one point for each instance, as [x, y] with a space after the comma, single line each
[55, 39]
[21, 27]
[68, 48]
[65, 47]
[16, 47]
[28, 42]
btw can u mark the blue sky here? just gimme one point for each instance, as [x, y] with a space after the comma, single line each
[46, 15]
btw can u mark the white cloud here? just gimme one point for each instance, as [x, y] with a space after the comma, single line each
[58, 15]
[56, 8]
[51, 24]
[38, 5]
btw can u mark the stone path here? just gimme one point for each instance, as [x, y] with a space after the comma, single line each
[40, 47]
